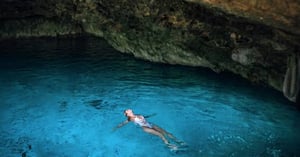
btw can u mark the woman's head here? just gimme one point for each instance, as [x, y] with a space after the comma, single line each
[128, 112]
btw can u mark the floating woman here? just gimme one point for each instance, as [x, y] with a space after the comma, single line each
[150, 128]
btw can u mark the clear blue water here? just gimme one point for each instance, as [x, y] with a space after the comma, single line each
[62, 97]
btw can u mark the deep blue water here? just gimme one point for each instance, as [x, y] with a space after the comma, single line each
[62, 97]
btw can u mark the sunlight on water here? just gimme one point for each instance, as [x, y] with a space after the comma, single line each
[62, 97]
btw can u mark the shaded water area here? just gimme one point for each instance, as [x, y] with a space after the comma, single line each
[62, 97]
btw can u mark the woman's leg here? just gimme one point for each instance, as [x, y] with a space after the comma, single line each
[157, 133]
[154, 132]
[164, 132]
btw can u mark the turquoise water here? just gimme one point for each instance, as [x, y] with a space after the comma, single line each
[62, 97]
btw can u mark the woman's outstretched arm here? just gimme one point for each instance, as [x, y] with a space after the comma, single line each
[120, 125]
[150, 115]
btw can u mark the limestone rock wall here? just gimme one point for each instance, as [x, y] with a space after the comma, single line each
[283, 14]
[254, 39]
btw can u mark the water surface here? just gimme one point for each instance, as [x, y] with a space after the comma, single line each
[62, 97]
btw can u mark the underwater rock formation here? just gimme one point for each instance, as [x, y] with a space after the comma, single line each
[254, 38]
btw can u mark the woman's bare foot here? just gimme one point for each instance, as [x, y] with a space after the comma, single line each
[172, 147]
[181, 143]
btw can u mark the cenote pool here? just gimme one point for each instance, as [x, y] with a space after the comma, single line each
[62, 97]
